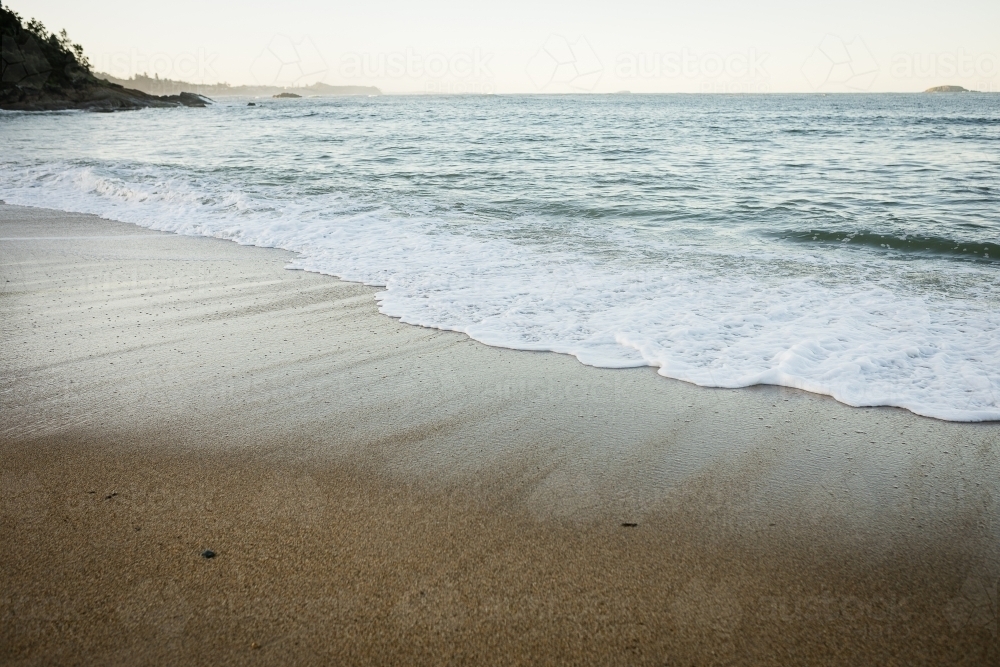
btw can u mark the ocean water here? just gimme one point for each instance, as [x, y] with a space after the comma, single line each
[846, 245]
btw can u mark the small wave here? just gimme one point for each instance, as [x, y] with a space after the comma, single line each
[938, 246]
[944, 121]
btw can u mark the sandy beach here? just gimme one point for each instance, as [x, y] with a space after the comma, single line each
[379, 493]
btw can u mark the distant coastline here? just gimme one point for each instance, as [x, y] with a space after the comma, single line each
[947, 89]
[157, 86]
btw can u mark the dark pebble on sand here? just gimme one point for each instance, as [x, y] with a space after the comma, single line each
[208, 553]
[629, 525]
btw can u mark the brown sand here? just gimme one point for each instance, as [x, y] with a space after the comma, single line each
[380, 493]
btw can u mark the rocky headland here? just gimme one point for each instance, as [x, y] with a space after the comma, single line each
[43, 71]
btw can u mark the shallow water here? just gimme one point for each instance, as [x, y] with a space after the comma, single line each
[846, 245]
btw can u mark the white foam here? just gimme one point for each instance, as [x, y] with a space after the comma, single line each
[865, 345]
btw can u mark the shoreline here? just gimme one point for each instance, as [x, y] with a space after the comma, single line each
[386, 492]
[949, 413]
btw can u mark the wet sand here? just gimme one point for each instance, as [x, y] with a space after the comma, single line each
[381, 493]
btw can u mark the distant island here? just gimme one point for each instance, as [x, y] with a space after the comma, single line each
[43, 71]
[154, 85]
[946, 89]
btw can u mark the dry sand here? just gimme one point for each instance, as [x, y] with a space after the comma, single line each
[381, 493]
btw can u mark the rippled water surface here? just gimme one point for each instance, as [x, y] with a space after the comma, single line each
[848, 245]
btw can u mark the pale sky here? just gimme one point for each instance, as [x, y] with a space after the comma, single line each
[517, 46]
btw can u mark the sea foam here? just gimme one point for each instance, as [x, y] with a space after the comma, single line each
[865, 347]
